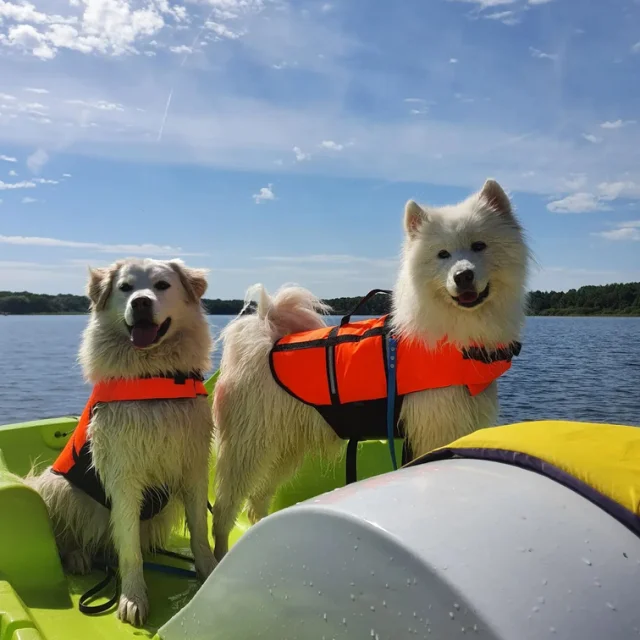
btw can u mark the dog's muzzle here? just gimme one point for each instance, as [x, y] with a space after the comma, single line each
[144, 331]
[469, 297]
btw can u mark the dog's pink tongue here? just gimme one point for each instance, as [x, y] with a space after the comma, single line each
[144, 336]
[468, 296]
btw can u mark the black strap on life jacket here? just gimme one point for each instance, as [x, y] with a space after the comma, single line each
[352, 445]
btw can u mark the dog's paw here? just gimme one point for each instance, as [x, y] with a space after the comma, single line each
[205, 565]
[254, 515]
[77, 562]
[134, 610]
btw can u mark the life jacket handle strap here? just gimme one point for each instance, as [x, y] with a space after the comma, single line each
[347, 318]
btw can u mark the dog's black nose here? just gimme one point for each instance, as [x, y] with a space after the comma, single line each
[141, 304]
[464, 278]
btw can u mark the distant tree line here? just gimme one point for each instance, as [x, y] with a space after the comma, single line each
[610, 299]
[23, 302]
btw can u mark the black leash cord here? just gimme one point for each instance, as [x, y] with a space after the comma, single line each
[111, 574]
[100, 608]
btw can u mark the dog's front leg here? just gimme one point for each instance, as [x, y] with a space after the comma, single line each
[195, 504]
[125, 523]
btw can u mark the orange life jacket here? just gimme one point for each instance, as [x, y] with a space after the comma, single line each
[75, 461]
[342, 372]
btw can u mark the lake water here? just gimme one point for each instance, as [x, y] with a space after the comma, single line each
[584, 369]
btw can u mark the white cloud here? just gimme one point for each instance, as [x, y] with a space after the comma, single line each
[101, 105]
[28, 200]
[591, 138]
[27, 37]
[620, 189]
[8, 158]
[636, 48]
[580, 202]
[66, 175]
[143, 249]
[45, 181]
[25, 184]
[8, 97]
[36, 90]
[331, 145]
[183, 48]
[37, 160]
[33, 107]
[486, 4]
[586, 202]
[249, 134]
[616, 124]
[223, 14]
[108, 27]
[420, 108]
[13, 173]
[266, 193]
[26, 12]
[300, 155]
[576, 182]
[625, 233]
[506, 17]
[453, 60]
[629, 230]
[222, 31]
[539, 1]
[536, 53]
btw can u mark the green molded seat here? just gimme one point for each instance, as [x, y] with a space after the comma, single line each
[29, 559]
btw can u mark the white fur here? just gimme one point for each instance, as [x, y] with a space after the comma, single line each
[142, 443]
[263, 432]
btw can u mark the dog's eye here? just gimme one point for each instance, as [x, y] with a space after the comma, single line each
[478, 246]
[125, 286]
[444, 254]
[162, 285]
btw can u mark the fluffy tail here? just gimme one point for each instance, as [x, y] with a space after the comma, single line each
[289, 310]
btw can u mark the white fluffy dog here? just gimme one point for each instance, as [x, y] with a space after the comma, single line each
[463, 275]
[146, 321]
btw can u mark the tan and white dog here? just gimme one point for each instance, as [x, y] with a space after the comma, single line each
[462, 275]
[146, 320]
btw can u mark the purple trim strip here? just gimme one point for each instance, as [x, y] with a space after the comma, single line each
[533, 463]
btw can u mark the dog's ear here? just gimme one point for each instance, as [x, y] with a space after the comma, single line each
[495, 197]
[100, 285]
[414, 217]
[194, 281]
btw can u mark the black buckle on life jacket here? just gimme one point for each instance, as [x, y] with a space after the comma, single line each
[497, 355]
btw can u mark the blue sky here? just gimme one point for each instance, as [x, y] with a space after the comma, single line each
[277, 141]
